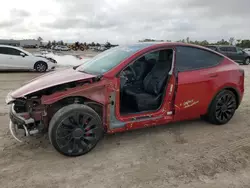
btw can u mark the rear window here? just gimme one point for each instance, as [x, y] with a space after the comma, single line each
[228, 49]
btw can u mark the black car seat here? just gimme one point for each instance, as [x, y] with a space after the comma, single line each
[141, 68]
[148, 96]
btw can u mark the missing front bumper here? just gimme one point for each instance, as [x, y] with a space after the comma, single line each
[18, 124]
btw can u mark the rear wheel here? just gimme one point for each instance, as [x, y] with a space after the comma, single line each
[222, 108]
[41, 66]
[247, 61]
[75, 130]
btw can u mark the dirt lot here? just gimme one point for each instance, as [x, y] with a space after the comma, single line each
[186, 154]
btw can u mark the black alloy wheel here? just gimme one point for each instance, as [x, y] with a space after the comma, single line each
[222, 108]
[247, 61]
[75, 130]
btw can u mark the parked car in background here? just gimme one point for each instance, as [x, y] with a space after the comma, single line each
[14, 58]
[234, 53]
[247, 50]
[125, 88]
[62, 48]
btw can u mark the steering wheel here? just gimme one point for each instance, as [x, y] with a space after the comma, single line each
[133, 71]
[125, 77]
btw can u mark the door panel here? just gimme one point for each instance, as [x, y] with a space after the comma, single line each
[5, 62]
[198, 72]
[194, 91]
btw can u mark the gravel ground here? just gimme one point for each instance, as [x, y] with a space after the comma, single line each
[187, 154]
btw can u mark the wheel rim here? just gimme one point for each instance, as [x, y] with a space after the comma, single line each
[78, 133]
[247, 61]
[225, 107]
[41, 67]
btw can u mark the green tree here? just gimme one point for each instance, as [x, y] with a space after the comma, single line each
[49, 44]
[244, 43]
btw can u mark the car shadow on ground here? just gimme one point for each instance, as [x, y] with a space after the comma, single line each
[110, 142]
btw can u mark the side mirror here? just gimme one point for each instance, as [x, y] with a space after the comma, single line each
[22, 54]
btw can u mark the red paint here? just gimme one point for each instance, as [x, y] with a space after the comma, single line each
[194, 89]
[50, 79]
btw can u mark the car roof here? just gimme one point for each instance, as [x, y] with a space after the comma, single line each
[160, 44]
[9, 46]
[144, 45]
[220, 45]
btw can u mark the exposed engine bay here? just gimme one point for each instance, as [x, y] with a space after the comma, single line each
[29, 115]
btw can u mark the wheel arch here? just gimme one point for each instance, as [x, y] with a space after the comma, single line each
[229, 88]
[78, 100]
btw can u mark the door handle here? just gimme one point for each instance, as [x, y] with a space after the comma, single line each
[213, 75]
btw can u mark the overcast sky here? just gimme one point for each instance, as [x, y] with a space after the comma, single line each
[121, 21]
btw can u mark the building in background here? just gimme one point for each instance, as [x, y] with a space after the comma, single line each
[30, 43]
[10, 42]
[26, 43]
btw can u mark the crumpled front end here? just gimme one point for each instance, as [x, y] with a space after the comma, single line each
[25, 120]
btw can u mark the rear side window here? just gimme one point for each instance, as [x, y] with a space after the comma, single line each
[223, 49]
[232, 49]
[190, 58]
[228, 49]
[9, 51]
[3, 50]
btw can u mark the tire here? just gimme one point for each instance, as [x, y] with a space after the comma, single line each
[74, 130]
[222, 108]
[41, 66]
[247, 61]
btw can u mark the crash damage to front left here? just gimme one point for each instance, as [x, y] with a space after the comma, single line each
[31, 110]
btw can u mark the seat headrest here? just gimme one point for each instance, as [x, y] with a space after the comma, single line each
[165, 55]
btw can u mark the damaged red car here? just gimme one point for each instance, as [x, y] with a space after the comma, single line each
[124, 88]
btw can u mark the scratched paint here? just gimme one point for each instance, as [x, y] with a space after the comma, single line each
[187, 104]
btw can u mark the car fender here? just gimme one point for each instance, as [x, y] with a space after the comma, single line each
[49, 64]
[94, 91]
[228, 86]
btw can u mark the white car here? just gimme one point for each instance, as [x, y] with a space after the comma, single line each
[247, 50]
[14, 58]
[62, 48]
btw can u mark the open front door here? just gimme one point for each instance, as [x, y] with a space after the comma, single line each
[117, 122]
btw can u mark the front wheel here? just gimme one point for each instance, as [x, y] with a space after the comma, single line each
[75, 130]
[41, 66]
[247, 61]
[222, 108]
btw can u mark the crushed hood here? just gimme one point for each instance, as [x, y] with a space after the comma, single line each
[50, 79]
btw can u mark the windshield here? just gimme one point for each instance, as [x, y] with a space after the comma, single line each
[108, 59]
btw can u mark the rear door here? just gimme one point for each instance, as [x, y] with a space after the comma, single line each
[4, 59]
[224, 50]
[233, 54]
[196, 71]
